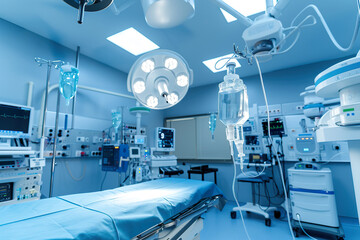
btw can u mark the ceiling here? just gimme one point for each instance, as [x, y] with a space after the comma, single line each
[206, 35]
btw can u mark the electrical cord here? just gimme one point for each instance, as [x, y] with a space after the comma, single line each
[299, 219]
[72, 176]
[271, 141]
[102, 182]
[328, 31]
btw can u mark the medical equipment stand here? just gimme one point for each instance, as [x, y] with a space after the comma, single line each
[56, 64]
[254, 207]
[338, 232]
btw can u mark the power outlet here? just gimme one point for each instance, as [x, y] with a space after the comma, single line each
[336, 147]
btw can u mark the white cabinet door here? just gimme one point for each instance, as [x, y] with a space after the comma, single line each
[185, 137]
[208, 148]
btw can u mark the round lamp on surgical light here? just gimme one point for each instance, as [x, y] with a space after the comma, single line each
[160, 79]
[167, 13]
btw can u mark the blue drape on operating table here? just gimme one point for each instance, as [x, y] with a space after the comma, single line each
[131, 210]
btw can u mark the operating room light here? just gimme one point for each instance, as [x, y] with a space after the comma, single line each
[248, 8]
[148, 65]
[152, 101]
[159, 79]
[133, 41]
[139, 86]
[171, 63]
[172, 98]
[182, 80]
[167, 13]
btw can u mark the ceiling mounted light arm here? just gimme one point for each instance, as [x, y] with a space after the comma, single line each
[88, 6]
[276, 10]
[247, 21]
[160, 79]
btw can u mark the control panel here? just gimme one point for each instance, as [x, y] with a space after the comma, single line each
[10, 163]
[307, 148]
[19, 185]
[115, 158]
[252, 138]
[75, 143]
[130, 135]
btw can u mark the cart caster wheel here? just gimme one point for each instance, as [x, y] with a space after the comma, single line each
[268, 222]
[233, 214]
[296, 232]
[339, 238]
[277, 214]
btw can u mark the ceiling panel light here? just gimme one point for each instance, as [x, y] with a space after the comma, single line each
[211, 63]
[229, 18]
[133, 41]
[246, 7]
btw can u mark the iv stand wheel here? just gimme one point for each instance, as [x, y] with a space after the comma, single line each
[296, 232]
[277, 214]
[233, 214]
[268, 222]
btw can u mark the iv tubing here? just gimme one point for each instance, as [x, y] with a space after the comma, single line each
[233, 190]
[271, 142]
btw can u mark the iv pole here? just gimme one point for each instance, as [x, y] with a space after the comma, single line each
[57, 64]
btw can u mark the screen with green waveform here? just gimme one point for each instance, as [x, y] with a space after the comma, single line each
[14, 119]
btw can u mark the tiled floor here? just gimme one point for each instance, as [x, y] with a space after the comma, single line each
[218, 225]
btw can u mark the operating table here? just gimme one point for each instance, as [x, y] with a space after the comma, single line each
[170, 208]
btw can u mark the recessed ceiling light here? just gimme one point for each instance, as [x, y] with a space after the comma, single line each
[133, 41]
[246, 7]
[222, 63]
[229, 18]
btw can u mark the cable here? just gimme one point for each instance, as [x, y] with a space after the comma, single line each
[72, 176]
[102, 182]
[299, 219]
[252, 176]
[229, 59]
[271, 141]
[333, 157]
[233, 190]
[328, 31]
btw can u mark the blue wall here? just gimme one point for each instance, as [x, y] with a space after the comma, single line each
[282, 87]
[18, 48]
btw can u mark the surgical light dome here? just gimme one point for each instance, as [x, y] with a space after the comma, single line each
[167, 13]
[160, 79]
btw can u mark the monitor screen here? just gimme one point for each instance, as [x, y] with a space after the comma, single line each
[165, 138]
[135, 151]
[14, 120]
[276, 127]
[6, 191]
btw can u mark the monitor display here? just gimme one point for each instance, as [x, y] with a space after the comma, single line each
[14, 120]
[6, 191]
[165, 139]
[276, 127]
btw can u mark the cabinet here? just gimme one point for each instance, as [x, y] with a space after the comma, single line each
[193, 139]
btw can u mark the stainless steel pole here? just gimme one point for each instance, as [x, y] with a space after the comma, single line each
[46, 98]
[74, 98]
[53, 161]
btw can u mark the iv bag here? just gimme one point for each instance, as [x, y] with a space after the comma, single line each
[212, 124]
[233, 99]
[69, 77]
[116, 118]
